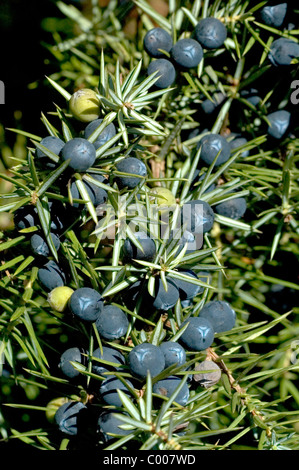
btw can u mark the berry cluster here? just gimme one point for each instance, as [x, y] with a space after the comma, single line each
[186, 53]
[76, 418]
[86, 304]
[144, 358]
[50, 274]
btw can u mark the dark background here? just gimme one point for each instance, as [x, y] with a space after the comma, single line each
[23, 61]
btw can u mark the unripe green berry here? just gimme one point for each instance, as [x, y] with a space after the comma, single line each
[84, 105]
[53, 406]
[58, 298]
[163, 197]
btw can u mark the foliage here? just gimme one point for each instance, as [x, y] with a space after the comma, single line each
[255, 406]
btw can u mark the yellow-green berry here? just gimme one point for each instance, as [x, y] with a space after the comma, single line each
[58, 298]
[53, 406]
[163, 197]
[84, 105]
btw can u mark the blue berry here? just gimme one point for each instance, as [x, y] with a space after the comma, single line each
[156, 39]
[186, 53]
[213, 145]
[236, 142]
[40, 246]
[144, 358]
[131, 251]
[186, 303]
[174, 353]
[188, 238]
[279, 123]
[109, 387]
[76, 194]
[210, 33]
[178, 240]
[251, 95]
[72, 417]
[97, 195]
[131, 293]
[86, 304]
[203, 276]
[165, 299]
[52, 143]
[51, 275]
[112, 323]
[100, 195]
[106, 354]
[162, 300]
[104, 136]
[108, 424]
[25, 217]
[220, 314]
[98, 177]
[274, 15]
[80, 152]
[187, 290]
[165, 71]
[71, 355]
[167, 386]
[283, 51]
[233, 208]
[209, 106]
[130, 165]
[198, 216]
[58, 215]
[199, 334]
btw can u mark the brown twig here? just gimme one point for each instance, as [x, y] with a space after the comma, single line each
[212, 356]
